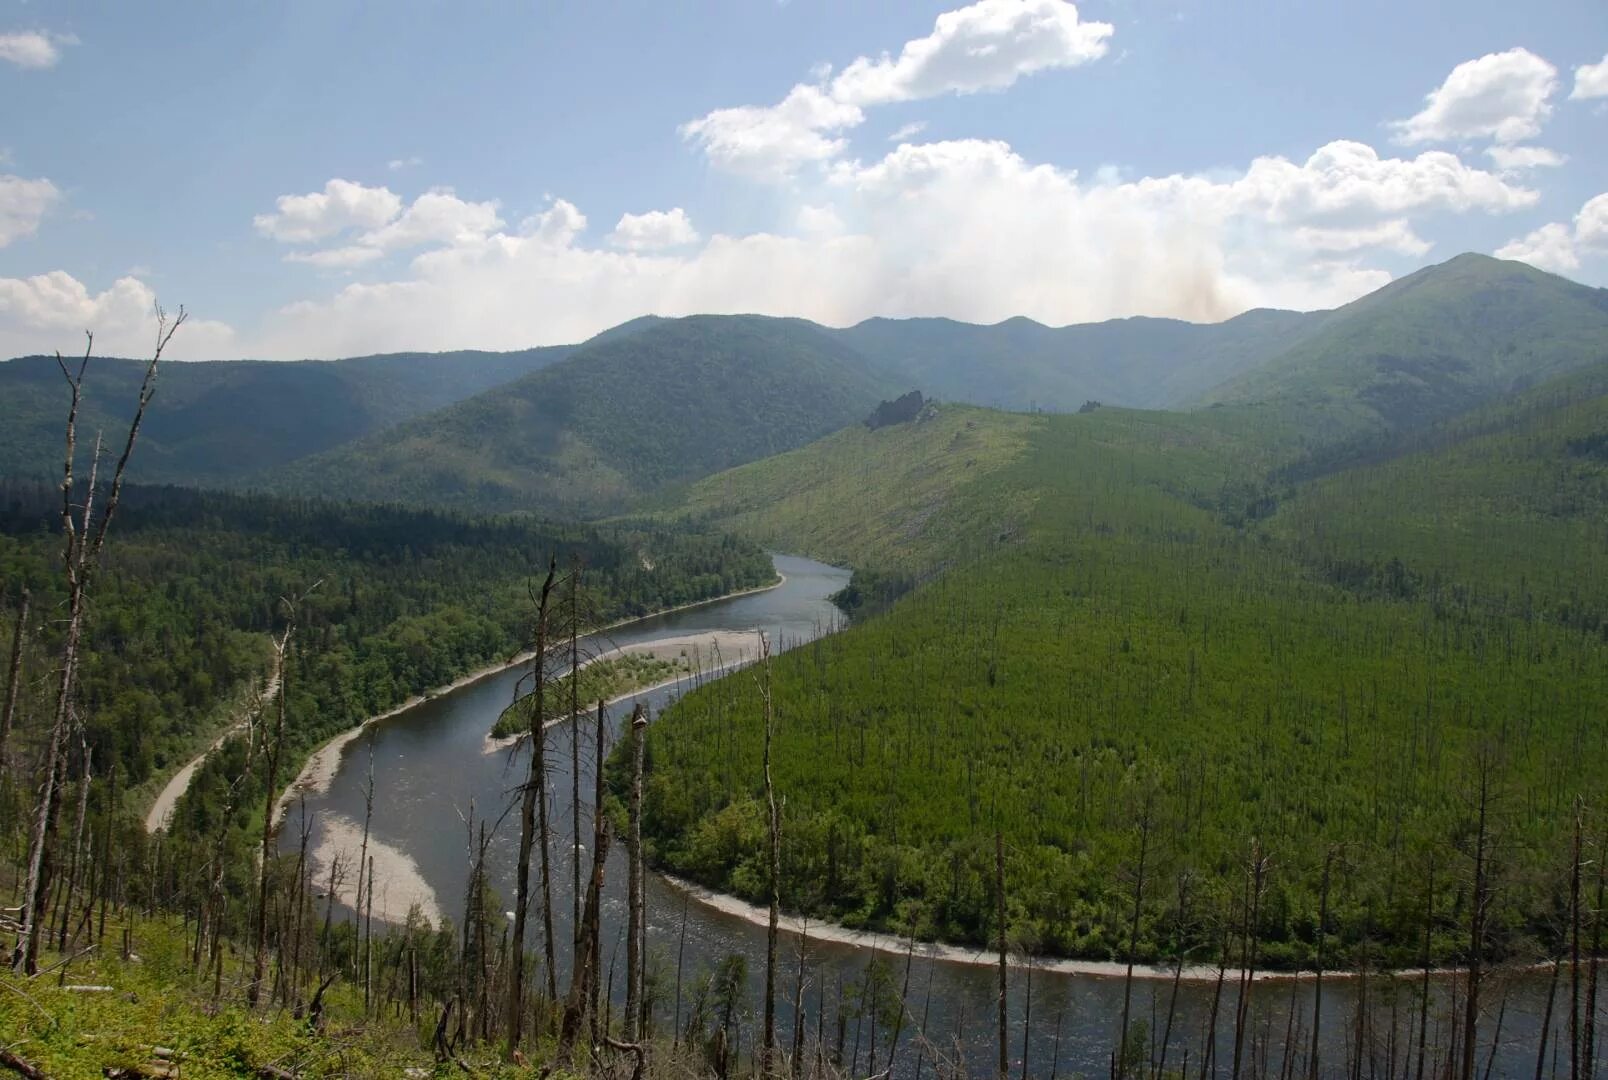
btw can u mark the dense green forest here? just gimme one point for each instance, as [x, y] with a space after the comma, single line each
[1430, 346]
[392, 602]
[626, 416]
[1164, 633]
[224, 421]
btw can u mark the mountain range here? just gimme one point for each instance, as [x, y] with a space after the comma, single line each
[654, 404]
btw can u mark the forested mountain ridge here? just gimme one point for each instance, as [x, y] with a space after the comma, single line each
[1022, 365]
[217, 422]
[620, 419]
[1429, 346]
[1435, 343]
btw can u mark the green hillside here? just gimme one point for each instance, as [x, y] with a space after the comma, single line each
[1144, 638]
[1432, 345]
[1021, 364]
[622, 418]
[1509, 503]
[891, 498]
[216, 422]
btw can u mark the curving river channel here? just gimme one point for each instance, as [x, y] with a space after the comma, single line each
[431, 762]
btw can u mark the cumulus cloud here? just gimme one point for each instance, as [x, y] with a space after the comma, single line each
[968, 228]
[23, 204]
[436, 217]
[986, 46]
[1591, 224]
[771, 141]
[909, 131]
[1502, 96]
[1591, 80]
[1556, 246]
[51, 311]
[653, 230]
[33, 49]
[318, 215]
[1551, 247]
[1523, 158]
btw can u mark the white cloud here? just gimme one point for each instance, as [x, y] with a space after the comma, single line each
[23, 204]
[32, 49]
[1522, 158]
[1555, 247]
[967, 229]
[1551, 247]
[1591, 224]
[986, 46]
[318, 215]
[398, 164]
[772, 141]
[51, 311]
[1591, 80]
[653, 230]
[1345, 182]
[1502, 96]
[908, 131]
[1395, 235]
[557, 226]
[436, 217]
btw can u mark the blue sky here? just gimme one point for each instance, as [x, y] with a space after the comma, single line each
[322, 179]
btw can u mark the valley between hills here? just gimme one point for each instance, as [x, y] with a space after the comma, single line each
[1276, 644]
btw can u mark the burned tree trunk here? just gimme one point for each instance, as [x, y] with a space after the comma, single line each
[1004, 970]
[533, 817]
[635, 957]
[1133, 935]
[774, 826]
[14, 681]
[83, 542]
[259, 961]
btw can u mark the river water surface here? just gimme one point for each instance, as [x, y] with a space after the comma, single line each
[431, 762]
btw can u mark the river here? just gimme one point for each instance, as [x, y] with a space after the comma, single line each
[431, 761]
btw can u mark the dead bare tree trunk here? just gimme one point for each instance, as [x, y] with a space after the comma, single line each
[635, 957]
[1133, 934]
[1478, 910]
[259, 961]
[1596, 954]
[78, 841]
[575, 760]
[1004, 970]
[581, 1002]
[1256, 880]
[1317, 987]
[14, 681]
[774, 827]
[1178, 969]
[1423, 1004]
[600, 843]
[1574, 941]
[533, 800]
[82, 546]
